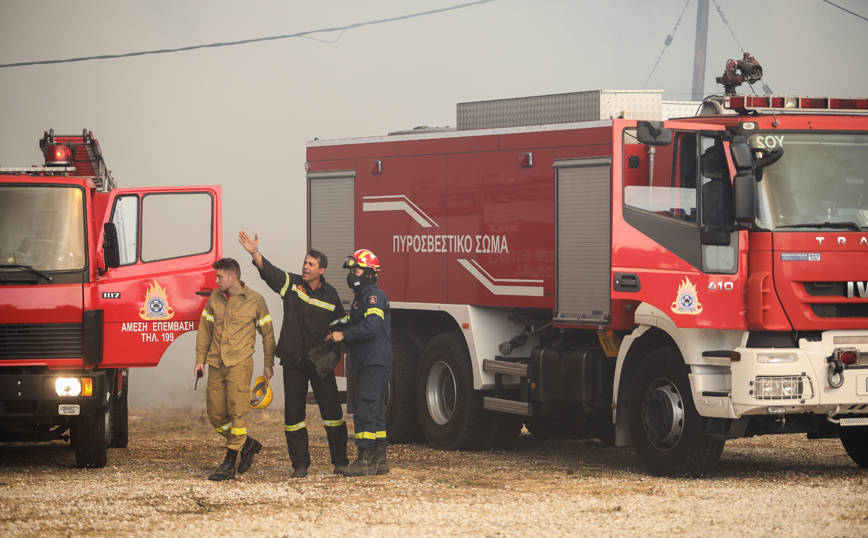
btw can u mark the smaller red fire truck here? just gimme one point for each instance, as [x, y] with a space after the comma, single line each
[94, 280]
[576, 265]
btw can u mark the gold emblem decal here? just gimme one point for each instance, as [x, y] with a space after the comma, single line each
[687, 302]
[156, 304]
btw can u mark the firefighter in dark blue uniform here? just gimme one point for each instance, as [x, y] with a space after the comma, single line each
[369, 337]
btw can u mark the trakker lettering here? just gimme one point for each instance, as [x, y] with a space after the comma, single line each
[842, 241]
[860, 288]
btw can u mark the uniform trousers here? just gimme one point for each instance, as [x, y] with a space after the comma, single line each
[372, 383]
[228, 400]
[325, 390]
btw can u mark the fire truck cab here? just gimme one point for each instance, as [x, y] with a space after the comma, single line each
[94, 280]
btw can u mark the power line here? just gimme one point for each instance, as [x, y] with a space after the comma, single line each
[248, 41]
[847, 10]
[666, 44]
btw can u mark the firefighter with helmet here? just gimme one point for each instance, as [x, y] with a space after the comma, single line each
[369, 337]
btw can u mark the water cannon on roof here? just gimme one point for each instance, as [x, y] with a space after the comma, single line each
[750, 70]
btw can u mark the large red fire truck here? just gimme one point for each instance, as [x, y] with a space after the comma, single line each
[572, 264]
[93, 280]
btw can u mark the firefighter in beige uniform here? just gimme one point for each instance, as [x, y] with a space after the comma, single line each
[225, 341]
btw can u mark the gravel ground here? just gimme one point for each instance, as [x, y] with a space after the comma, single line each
[768, 486]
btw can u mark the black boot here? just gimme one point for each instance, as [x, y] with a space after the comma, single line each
[380, 459]
[251, 448]
[367, 464]
[299, 472]
[226, 471]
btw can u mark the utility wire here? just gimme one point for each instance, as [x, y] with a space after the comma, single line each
[248, 41]
[666, 44]
[847, 10]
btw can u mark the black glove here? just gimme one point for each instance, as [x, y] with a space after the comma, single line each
[326, 356]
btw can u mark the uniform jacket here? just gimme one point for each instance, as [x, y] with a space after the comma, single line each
[227, 328]
[308, 315]
[370, 332]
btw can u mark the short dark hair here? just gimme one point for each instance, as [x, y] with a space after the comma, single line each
[320, 258]
[228, 264]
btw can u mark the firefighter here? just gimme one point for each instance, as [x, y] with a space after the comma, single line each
[311, 308]
[370, 339]
[225, 341]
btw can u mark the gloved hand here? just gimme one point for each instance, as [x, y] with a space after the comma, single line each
[326, 356]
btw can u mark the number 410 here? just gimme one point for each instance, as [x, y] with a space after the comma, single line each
[726, 286]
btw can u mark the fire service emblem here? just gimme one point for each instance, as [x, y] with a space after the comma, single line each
[156, 304]
[687, 301]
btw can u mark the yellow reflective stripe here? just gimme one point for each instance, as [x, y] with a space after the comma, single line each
[376, 311]
[263, 321]
[333, 423]
[238, 431]
[366, 435]
[345, 319]
[285, 286]
[322, 304]
[381, 435]
[294, 427]
[224, 427]
[207, 316]
[301, 294]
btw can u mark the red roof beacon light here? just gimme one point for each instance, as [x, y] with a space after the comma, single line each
[58, 155]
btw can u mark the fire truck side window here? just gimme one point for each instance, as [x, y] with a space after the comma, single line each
[126, 219]
[671, 189]
[175, 225]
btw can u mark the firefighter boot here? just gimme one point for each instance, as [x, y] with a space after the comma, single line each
[226, 471]
[380, 459]
[251, 448]
[299, 472]
[363, 466]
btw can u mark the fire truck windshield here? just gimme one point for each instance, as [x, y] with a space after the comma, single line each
[820, 182]
[42, 228]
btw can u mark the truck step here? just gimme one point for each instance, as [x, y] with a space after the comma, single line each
[861, 421]
[503, 367]
[507, 406]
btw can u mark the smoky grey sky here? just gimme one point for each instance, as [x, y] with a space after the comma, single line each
[240, 116]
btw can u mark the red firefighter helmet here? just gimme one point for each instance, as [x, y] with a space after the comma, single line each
[363, 258]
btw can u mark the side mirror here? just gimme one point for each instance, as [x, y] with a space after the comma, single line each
[744, 187]
[110, 245]
[652, 133]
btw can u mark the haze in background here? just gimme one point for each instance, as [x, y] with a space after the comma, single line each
[240, 116]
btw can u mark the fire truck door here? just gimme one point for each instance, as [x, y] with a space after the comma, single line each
[168, 238]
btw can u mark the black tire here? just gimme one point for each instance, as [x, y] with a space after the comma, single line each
[668, 433]
[553, 427]
[855, 441]
[450, 411]
[402, 420]
[91, 450]
[119, 417]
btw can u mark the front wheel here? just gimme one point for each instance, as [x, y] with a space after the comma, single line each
[668, 433]
[450, 411]
[119, 416]
[855, 441]
[91, 446]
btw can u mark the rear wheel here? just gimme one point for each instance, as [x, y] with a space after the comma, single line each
[450, 411]
[855, 441]
[402, 420]
[668, 433]
[91, 440]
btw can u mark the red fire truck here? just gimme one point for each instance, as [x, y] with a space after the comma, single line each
[573, 264]
[93, 280]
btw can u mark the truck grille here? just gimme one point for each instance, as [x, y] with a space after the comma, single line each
[840, 310]
[41, 341]
[824, 289]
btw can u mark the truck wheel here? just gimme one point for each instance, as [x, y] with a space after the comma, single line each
[402, 420]
[450, 411]
[855, 441]
[119, 414]
[91, 447]
[668, 433]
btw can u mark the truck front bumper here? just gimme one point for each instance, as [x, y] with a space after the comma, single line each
[45, 397]
[803, 379]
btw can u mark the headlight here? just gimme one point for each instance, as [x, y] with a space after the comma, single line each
[779, 388]
[73, 386]
[776, 357]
